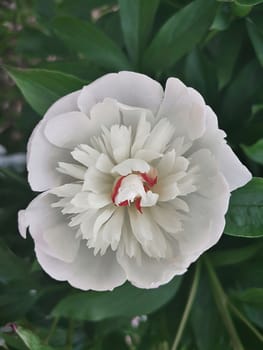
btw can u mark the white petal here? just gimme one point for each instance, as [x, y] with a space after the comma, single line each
[104, 164]
[96, 272]
[85, 155]
[167, 188]
[150, 272]
[91, 200]
[42, 157]
[148, 233]
[97, 182]
[109, 233]
[235, 173]
[129, 165]
[142, 132]
[185, 109]
[120, 142]
[62, 241]
[166, 164]
[149, 199]
[204, 223]
[166, 217]
[147, 155]
[57, 269]
[160, 136]
[68, 130]
[22, 223]
[73, 170]
[133, 89]
[68, 190]
[104, 114]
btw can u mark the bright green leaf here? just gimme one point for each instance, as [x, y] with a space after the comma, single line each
[255, 152]
[255, 31]
[180, 34]
[42, 87]
[245, 215]
[89, 40]
[30, 339]
[123, 301]
[137, 18]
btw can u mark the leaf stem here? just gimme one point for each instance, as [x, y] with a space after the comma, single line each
[70, 334]
[52, 329]
[12, 175]
[188, 307]
[245, 321]
[221, 302]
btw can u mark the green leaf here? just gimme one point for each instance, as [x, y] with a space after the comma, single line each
[11, 266]
[248, 2]
[204, 308]
[90, 41]
[137, 18]
[235, 110]
[235, 256]
[245, 215]
[229, 42]
[255, 151]
[42, 87]
[123, 301]
[250, 296]
[30, 339]
[180, 34]
[255, 31]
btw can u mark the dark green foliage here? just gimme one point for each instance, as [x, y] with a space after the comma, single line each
[50, 48]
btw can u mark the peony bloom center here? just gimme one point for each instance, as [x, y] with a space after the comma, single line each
[135, 188]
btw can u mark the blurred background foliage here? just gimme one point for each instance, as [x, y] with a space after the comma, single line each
[49, 48]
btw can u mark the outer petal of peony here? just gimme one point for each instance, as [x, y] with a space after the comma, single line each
[138, 183]
[60, 252]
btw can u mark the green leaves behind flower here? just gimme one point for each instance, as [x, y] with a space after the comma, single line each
[30, 340]
[255, 151]
[42, 87]
[245, 214]
[123, 301]
[89, 40]
[179, 35]
[137, 18]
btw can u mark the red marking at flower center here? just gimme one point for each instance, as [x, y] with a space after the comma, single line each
[148, 182]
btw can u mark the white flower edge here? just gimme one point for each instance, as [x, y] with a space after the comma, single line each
[184, 107]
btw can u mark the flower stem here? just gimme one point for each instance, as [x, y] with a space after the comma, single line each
[221, 302]
[52, 330]
[245, 321]
[187, 307]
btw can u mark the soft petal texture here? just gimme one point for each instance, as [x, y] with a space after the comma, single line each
[49, 229]
[185, 108]
[205, 221]
[96, 272]
[235, 173]
[151, 273]
[83, 270]
[42, 157]
[133, 89]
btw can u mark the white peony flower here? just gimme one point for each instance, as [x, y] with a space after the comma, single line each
[137, 182]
